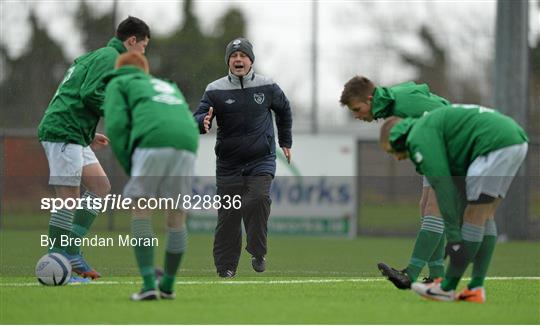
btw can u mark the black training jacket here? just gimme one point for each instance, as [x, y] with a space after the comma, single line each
[242, 108]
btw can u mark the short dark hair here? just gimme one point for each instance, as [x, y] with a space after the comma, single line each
[358, 87]
[132, 26]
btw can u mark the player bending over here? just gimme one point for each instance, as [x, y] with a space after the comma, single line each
[407, 100]
[487, 149]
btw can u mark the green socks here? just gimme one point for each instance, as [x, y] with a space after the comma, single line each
[59, 225]
[472, 236]
[141, 228]
[425, 248]
[176, 246]
[82, 220]
[436, 262]
[483, 257]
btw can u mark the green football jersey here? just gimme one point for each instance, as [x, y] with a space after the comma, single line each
[145, 112]
[445, 142]
[407, 100]
[75, 109]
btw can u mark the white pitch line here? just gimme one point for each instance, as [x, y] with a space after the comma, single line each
[510, 278]
[268, 282]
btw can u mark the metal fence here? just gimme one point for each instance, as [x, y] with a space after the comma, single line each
[394, 189]
[387, 191]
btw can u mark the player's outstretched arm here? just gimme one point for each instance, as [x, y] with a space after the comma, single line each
[204, 114]
[429, 155]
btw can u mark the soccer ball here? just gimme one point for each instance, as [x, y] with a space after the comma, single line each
[53, 269]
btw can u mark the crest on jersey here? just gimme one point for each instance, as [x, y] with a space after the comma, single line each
[258, 97]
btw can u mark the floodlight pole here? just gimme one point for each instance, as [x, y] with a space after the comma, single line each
[511, 85]
[314, 72]
[114, 14]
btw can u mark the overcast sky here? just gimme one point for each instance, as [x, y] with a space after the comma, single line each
[281, 34]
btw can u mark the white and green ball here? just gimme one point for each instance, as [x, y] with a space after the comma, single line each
[53, 269]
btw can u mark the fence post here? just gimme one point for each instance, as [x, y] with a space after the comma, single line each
[2, 177]
[511, 97]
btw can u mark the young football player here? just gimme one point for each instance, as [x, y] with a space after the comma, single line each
[68, 135]
[486, 148]
[368, 102]
[155, 139]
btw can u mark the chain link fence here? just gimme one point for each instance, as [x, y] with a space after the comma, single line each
[387, 191]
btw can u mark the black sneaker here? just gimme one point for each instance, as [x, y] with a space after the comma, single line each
[399, 278]
[227, 273]
[145, 295]
[258, 263]
[427, 280]
[166, 295]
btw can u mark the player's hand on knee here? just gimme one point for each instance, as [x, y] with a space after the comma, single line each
[208, 120]
[457, 252]
[99, 142]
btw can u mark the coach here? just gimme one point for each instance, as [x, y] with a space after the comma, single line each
[245, 149]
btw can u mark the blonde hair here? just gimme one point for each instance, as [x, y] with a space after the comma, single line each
[132, 58]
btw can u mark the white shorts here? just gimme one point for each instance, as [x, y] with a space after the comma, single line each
[492, 174]
[160, 173]
[66, 162]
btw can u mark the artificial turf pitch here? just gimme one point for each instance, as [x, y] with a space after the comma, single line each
[308, 280]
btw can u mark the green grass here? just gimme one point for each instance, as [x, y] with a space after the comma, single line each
[511, 302]
[403, 217]
[336, 283]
